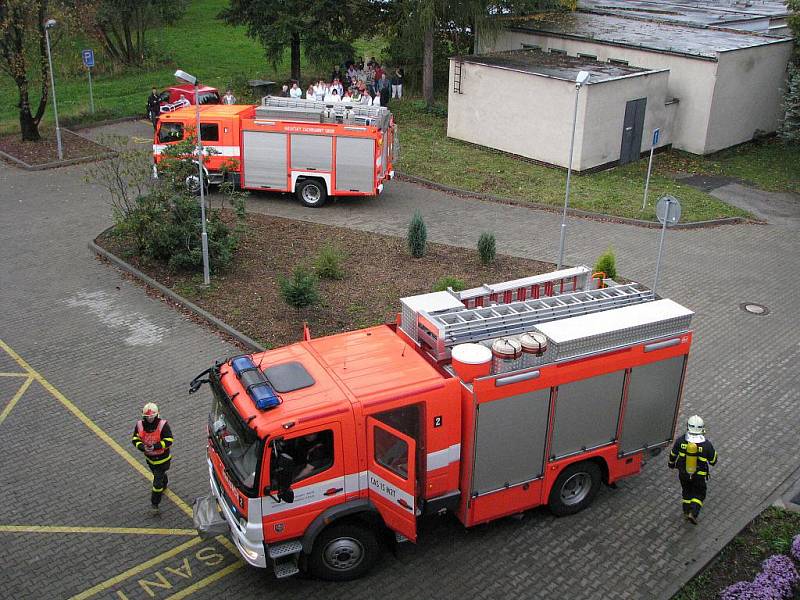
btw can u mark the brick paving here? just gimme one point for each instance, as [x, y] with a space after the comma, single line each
[108, 348]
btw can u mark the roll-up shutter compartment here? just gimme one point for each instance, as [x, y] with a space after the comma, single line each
[355, 164]
[265, 160]
[311, 152]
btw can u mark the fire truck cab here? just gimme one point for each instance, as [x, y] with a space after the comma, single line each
[309, 148]
[322, 452]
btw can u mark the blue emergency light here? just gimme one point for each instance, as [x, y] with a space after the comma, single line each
[255, 382]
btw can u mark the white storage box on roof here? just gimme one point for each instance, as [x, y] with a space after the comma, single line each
[586, 334]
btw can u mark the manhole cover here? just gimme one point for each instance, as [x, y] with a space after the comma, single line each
[753, 308]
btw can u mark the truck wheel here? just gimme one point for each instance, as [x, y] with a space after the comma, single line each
[192, 183]
[311, 193]
[575, 488]
[344, 552]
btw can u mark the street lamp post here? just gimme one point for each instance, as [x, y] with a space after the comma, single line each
[48, 25]
[192, 80]
[582, 78]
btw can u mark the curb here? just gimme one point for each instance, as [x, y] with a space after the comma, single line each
[180, 300]
[572, 211]
[62, 163]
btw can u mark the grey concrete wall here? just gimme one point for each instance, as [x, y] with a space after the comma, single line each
[748, 93]
[691, 80]
[515, 112]
[605, 114]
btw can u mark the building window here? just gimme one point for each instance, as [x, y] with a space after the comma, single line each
[531, 47]
[618, 61]
[589, 56]
[557, 51]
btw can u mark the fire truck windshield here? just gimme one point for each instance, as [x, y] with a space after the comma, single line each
[238, 447]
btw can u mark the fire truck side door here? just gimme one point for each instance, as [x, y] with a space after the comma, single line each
[392, 476]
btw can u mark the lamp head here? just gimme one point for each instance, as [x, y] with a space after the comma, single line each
[582, 78]
[184, 76]
[50, 23]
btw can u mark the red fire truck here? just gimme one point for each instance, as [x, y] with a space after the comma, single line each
[486, 402]
[310, 148]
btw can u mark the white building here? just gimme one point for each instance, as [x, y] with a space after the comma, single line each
[723, 86]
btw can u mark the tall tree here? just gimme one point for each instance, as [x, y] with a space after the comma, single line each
[323, 29]
[121, 26]
[23, 47]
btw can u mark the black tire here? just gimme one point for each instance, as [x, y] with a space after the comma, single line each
[344, 552]
[311, 193]
[575, 488]
[192, 183]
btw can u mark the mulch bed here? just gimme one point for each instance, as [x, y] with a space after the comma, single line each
[378, 272]
[46, 150]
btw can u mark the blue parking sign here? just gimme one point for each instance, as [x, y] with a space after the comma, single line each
[88, 58]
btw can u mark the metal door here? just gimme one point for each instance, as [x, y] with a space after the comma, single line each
[264, 160]
[510, 441]
[312, 152]
[632, 128]
[392, 472]
[355, 164]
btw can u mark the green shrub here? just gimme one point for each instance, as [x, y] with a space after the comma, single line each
[449, 282]
[328, 264]
[487, 247]
[417, 236]
[299, 290]
[607, 264]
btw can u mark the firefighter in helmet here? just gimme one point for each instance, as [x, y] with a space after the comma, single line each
[693, 455]
[153, 436]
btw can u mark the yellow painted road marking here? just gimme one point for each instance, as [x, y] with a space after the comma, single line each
[116, 530]
[14, 375]
[15, 399]
[228, 544]
[139, 140]
[204, 582]
[136, 570]
[91, 425]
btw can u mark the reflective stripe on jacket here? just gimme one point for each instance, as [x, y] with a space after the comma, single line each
[706, 455]
[160, 439]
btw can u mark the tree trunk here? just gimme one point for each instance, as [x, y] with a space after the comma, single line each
[27, 124]
[427, 67]
[296, 57]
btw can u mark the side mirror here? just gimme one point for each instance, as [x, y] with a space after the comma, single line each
[286, 496]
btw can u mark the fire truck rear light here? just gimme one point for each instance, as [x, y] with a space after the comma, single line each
[254, 381]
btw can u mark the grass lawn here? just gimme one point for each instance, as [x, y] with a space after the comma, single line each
[427, 152]
[770, 533]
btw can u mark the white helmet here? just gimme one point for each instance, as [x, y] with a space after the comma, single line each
[150, 411]
[695, 425]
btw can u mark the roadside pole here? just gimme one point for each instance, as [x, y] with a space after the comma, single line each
[88, 62]
[656, 134]
[668, 212]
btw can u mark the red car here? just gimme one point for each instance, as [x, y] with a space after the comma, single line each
[178, 96]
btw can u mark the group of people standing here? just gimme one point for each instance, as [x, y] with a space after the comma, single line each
[369, 85]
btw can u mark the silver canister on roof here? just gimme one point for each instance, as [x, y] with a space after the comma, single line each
[506, 353]
[534, 345]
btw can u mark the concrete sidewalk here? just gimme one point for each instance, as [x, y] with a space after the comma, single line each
[109, 347]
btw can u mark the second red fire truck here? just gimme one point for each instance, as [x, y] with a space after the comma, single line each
[309, 148]
[486, 403]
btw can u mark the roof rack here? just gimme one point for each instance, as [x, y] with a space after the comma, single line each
[317, 111]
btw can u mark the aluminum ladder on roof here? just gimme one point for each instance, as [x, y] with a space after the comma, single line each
[331, 112]
[444, 330]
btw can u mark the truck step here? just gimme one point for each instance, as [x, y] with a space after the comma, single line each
[286, 567]
[285, 549]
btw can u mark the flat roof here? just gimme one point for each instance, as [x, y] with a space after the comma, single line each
[700, 13]
[647, 35]
[557, 66]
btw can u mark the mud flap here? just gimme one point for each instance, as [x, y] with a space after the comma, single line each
[207, 519]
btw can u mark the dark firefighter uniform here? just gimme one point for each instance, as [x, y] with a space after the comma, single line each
[154, 440]
[693, 461]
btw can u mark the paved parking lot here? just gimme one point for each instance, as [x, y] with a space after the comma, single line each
[82, 349]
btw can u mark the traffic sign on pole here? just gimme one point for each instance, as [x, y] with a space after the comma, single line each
[88, 58]
[668, 211]
[656, 135]
[88, 61]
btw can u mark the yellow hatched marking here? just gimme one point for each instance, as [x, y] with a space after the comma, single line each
[135, 570]
[12, 403]
[91, 424]
[206, 581]
[114, 530]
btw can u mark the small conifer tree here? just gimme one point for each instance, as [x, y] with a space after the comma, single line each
[417, 236]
